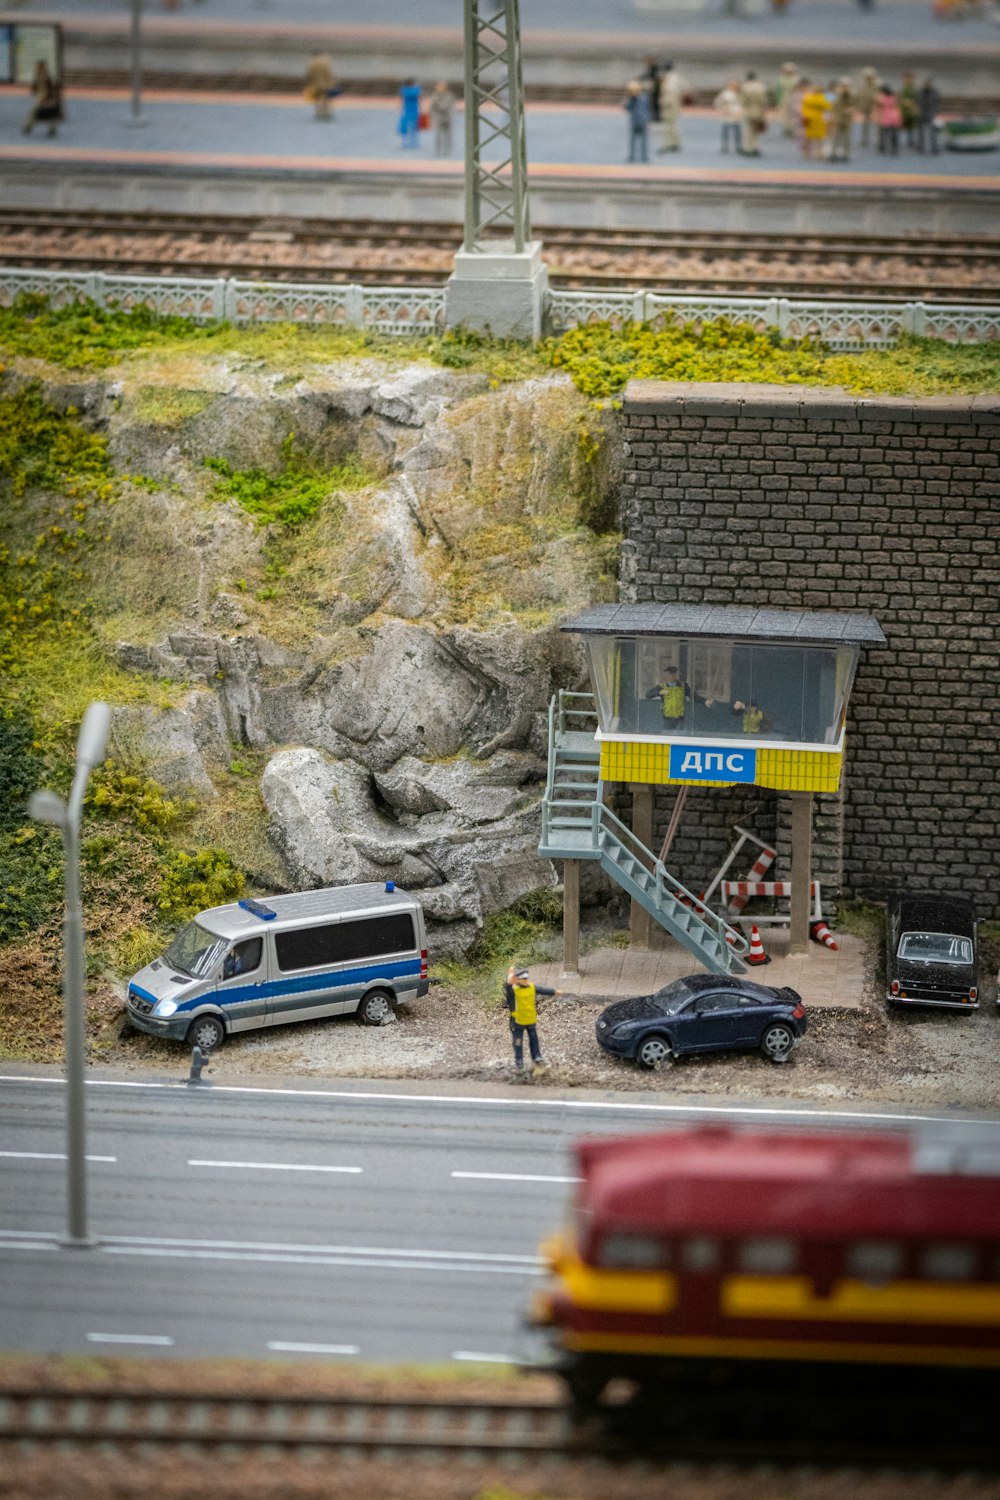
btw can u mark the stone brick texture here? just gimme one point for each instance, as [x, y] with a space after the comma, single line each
[812, 499]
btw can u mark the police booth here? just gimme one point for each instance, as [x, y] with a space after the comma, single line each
[711, 695]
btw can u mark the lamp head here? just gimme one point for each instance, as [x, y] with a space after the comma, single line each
[47, 807]
[93, 737]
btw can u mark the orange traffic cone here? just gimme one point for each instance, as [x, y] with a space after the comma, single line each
[820, 933]
[756, 954]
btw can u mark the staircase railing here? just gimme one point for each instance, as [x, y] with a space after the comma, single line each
[566, 712]
[666, 885]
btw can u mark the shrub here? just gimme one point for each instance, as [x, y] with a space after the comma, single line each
[123, 794]
[288, 498]
[193, 882]
[21, 769]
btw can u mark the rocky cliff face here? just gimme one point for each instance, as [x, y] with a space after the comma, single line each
[391, 657]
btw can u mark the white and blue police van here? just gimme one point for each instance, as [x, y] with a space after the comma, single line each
[352, 948]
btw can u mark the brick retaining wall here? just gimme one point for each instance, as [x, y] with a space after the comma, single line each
[737, 494]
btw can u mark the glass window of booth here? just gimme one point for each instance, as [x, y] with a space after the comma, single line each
[722, 689]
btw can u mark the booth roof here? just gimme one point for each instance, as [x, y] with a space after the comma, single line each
[815, 627]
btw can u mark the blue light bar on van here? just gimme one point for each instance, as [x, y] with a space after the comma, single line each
[390, 885]
[257, 909]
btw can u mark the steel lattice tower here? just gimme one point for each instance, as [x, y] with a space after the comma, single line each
[496, 191]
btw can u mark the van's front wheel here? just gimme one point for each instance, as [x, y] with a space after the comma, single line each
[376, 1008]
[207, 1032]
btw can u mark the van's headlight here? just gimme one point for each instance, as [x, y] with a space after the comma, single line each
[164, 1008]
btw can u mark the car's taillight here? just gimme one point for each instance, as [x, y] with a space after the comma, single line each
[894, 987]
[798, 1012]
[973, 993]
[423, 963]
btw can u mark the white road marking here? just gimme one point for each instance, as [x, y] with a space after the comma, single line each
[283, 1348]
[514, 1177]
[129, 1338]
[49, 1156]
[469, 1262]
[383, 1262]
[484, 1359]
[271, 1166]
[751, 1111]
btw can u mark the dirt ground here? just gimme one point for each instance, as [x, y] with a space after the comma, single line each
[921, 1059]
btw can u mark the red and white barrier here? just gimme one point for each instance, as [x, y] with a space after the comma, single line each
[758, 870]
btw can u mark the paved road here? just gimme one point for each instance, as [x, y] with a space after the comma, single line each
[375, 1223]
[189, 130]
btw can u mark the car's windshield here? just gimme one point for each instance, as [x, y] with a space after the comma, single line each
[194, 950]
[670, 999]
[935, 948]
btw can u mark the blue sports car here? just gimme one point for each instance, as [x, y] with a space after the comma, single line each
[704, 1013]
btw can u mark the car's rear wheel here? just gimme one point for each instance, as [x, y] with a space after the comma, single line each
[207, 1032]
[654, 1052]
[777, 1042]
[376, 1008]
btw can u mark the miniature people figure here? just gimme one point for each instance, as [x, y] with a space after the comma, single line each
[520, 996]
[815, 108]
[46, 92]
[788, 82]
[730, 109]
[753, 717]
[442, 107]
[409, 119]
[867, 102]
[651, 78]
[674, 694]
[753, 97]
[319, 84]
[670, 96]
[841, 121]
[928, 130]
[889, 121]
[637, 107]
[909, 109]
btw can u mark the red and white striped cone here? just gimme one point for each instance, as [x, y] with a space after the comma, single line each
[756, 954]
[820, 933]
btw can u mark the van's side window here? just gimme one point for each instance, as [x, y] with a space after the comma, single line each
[243, 958]
[340, 942]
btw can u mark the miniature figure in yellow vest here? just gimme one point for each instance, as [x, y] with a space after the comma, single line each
[521, 996]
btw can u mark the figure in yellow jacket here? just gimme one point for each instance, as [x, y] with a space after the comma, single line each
[520, 996]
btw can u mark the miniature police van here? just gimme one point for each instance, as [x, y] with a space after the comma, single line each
[352, 948]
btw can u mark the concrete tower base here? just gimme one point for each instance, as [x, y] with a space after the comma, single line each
[500, 291]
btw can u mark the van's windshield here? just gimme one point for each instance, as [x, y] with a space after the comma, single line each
[194, 950]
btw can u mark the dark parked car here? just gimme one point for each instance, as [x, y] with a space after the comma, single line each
[705, 1013]
[931, 952]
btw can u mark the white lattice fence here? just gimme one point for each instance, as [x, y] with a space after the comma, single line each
[420, 310]
[409, 310]
[840, 325]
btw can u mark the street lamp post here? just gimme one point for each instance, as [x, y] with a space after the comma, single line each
[137, 117]
[47, 807]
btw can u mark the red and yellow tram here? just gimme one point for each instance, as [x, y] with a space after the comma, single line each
[709, 1248]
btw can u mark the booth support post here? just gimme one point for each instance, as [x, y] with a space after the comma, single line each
[801, 872]
[640, 926]
[571, 916]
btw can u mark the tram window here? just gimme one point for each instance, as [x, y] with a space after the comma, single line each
[768, 1256]
[639, 1251]
[948, 1262]
[874, 1260]
[701, 1254]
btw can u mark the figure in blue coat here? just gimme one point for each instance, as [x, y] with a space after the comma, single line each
[409, 120]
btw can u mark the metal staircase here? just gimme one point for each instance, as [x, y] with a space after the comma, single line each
[577, 825]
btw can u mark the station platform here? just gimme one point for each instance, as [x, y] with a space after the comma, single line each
[595, 44]
[825, 979]
[266, 154]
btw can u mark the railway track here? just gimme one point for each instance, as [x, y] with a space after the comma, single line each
[939, 268]
[404, 1429]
